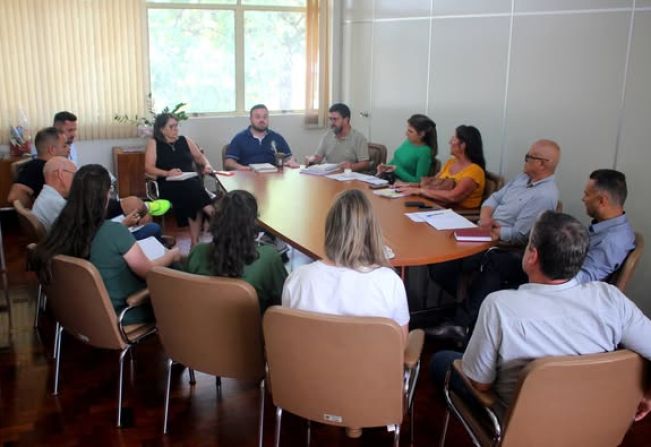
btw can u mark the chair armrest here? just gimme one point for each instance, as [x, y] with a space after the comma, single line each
[138, 298]
[486, 398]
[415, 340]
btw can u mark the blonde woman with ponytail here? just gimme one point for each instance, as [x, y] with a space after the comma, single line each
[355, 278]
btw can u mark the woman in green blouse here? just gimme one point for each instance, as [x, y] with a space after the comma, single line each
[413, 159]
[234, 251]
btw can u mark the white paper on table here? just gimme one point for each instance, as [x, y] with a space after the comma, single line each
[346, 176]
[320, 169]
[181, 177]
[448, 220]
[119, 218]
[419, 216]
[152, 248]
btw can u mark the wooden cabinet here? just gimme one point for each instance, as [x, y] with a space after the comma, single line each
[129, 167]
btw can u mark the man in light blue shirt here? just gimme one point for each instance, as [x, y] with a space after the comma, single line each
[551, 315]
[510, 212]
[611, 235]
[509, 215]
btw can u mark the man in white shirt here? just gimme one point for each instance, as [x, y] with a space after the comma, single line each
[58, 173]
[551, 315]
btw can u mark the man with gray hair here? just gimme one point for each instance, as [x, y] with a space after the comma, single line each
[551, 315]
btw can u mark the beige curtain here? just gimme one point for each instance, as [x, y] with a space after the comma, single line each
[84, 56]
[317, 95]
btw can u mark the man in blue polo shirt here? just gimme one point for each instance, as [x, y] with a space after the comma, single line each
[257, 143]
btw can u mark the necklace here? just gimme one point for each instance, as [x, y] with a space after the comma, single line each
[172, 146]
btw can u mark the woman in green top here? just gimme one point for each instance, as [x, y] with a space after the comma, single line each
[413, 159]
[234, 252]
[82, 231]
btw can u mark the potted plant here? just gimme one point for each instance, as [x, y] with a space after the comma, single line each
[145, 123]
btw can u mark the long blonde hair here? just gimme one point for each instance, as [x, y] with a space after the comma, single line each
[353, 237]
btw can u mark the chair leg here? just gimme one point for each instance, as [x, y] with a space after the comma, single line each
[170, 362]
[5, 281]
[309, 433]
[279, 416]
[445, 428]
[261, 422]
[37, 308]
[57, 355]
[121, 383]
[396, 436]
[411, 423]
[218, 383]
[193, 379]
[57, 341]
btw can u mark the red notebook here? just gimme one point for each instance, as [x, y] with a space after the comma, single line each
[472, 235]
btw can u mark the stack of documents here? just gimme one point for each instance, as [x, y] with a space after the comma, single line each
[370, 179]
[263, 167]
[322, 169]
[389, 193]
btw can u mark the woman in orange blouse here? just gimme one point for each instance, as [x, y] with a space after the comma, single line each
[461, 180]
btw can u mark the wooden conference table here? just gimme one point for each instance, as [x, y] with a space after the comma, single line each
[294, 206]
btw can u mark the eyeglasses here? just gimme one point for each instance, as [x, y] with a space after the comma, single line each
[69, 171]
[528, 157]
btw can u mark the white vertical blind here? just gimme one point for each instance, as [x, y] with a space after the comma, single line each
[84, 56]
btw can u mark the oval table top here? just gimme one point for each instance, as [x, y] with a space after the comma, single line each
[293, 206]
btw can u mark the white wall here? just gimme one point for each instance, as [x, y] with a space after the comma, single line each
[576, 71]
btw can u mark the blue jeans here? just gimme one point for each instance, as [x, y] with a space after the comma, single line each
[150, 229]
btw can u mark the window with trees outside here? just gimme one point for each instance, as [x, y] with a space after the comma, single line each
[227, 55]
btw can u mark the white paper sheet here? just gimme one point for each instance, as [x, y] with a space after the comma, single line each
[448, 220]
[152, 248]
[181, 177]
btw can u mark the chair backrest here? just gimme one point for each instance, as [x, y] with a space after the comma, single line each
[80, 303]
[224, 150]
[377, 154]
[32, 227]
[576, 400]
[344, 371]
[622, 276]
[493, 183]
[210, 324]
[435, 167]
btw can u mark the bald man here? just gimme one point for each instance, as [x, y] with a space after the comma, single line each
[509, 215]
[58, 173]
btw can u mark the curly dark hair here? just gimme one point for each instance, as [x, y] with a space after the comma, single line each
[234, 229]
[74, 230]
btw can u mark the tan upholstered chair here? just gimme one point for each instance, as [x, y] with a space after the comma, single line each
[81, 305]
[377, 154]
[209, 324]
[35, 232]
[344, 371]
[29, 223]
[622, 276]
[586, 400]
